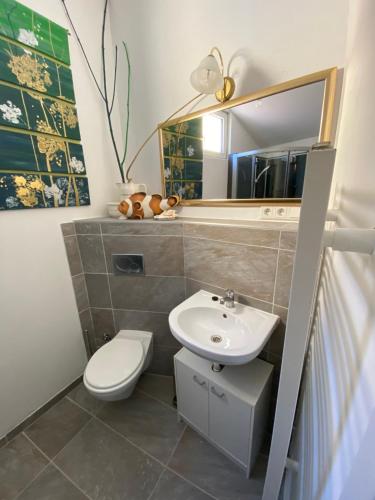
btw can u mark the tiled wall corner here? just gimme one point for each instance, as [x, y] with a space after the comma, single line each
[79, 285]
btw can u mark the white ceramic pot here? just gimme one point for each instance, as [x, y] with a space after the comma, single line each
[112, 209]
[128, 188]
[125, 189]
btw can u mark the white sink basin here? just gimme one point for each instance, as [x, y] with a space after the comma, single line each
[218, 333]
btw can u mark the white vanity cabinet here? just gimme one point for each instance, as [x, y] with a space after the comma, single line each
[229, 408]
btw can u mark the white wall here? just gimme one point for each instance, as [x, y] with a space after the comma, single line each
[240, 139]
[41, 347]
[336, 447]
[276, 41]
[215, 170]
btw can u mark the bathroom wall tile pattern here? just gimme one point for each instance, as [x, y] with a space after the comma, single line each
[88, 333]
[284, 277]
[68, 229]
[92, 253]
[144, 227]
[157, 252]
[103, 323]
[233, 234]
[73, 255]
[193, 286]
[155, 322]
[147, 293]
[249, 270]
[288, 240]
[98, 290]
[254, 258]
[79, 285]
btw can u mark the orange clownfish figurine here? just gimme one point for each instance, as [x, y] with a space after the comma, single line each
[143, 206]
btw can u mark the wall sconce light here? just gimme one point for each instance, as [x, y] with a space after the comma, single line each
[209, 77]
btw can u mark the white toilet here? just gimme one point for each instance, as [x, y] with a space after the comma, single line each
[113, 371]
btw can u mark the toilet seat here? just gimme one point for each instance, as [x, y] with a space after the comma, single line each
[114, 364]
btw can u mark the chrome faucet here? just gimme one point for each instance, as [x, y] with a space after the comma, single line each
[228, 299]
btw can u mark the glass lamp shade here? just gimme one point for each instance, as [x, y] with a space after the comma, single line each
[207, 78]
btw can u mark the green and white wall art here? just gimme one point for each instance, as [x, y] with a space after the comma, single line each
[183, 159]
[41, 158]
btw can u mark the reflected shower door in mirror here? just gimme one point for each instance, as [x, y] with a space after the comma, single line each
[263, 174]
[249, 149]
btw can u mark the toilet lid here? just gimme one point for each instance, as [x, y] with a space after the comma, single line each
[114, 363]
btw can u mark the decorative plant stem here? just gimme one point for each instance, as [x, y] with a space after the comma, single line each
[82, 49]
[127, 112]
[106, 99]
[109, 101]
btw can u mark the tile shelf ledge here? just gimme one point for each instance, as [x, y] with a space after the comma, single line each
[250, 223]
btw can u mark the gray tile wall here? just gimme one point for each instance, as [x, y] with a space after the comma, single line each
[79, 285]
[108, 303]
[180, 258]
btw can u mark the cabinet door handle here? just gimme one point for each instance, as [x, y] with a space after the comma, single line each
[214, 391]
[196, 379]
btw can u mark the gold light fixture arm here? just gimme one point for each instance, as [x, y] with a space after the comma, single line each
[212, 53]
[154, 132]
[229, 86]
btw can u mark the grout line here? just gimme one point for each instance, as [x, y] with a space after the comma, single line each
[81, 407]
[88, 301]
[156, 399]
[37, 447]
[66, 444]
[96, 418]
[70, 480]
[109, 285]
[154, 235]
[169, 469]
[276, 272]
[238, 293]
[128, 440]
[71, 439]
[151, 456]
[176, 445]
[231, 242]
[156, 485]
[191, 237]
[132, 310]
[52, 460]
[53, 464]
[79, 253]
[31, 482]
[139, 276]
[130, 235]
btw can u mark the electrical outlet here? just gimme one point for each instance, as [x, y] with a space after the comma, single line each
[267, 212]
[281, 212]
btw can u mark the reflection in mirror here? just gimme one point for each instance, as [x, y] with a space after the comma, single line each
[253, 150]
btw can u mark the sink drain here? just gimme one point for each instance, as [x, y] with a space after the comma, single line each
[216, 339]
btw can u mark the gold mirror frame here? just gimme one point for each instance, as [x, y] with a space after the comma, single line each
[329, 76]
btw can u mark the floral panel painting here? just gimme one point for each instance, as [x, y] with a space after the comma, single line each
[26, 26]
[41, 158]
[183, 159]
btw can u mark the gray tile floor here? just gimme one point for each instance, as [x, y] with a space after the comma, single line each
[82, 448]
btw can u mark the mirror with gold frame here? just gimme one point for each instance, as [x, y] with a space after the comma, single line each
[252, 149]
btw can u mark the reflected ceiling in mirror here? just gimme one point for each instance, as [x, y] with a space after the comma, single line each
[250, 149]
